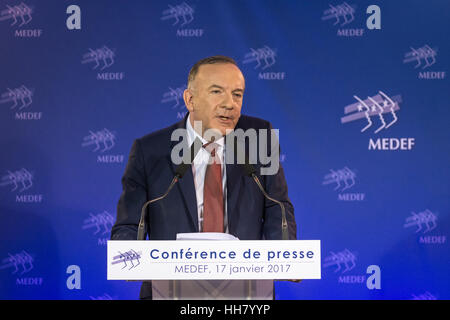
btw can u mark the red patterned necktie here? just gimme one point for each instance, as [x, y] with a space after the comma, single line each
[213, 207]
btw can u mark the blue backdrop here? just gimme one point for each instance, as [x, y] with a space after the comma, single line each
[361, 99]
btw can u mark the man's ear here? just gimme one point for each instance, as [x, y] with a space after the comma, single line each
[188, 100]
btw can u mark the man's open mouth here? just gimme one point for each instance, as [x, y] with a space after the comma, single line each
[224, 118]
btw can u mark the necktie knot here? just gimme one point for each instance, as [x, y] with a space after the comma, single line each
[211, 147]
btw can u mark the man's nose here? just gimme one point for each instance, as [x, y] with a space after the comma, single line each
[228, 102]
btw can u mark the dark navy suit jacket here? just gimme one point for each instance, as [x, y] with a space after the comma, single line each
[150, 170]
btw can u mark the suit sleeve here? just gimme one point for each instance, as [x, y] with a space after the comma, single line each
[277, 188]
[133, 197]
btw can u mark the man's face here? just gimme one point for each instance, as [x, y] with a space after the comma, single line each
[215, 96]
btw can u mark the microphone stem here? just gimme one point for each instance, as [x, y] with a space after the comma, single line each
[141, 229]
[284, 231]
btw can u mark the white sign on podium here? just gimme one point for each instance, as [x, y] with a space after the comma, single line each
[214, 260]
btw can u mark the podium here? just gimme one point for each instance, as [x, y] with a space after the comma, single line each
[213, 269]
[212, 290]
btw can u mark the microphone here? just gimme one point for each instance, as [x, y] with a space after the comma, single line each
[179, 173]
[251, 172]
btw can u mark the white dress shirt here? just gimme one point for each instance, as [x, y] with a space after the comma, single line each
[199, 171]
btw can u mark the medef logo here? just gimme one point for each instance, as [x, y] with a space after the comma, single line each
[101, 224]
[181, 15]
[104, 296]
[19, 100]
[424, 222]
[101, 59]
[261, 59]
[21, 263]
[102, 141]
[20, 181]
[343, 15]
[174, 98]
[379, 112]
[343, 179]
[422, 58]
[128, 259]
[423, 296]
[345, 261]
[19, 16]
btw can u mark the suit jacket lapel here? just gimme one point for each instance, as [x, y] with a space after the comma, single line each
[234, 183]
[186, 184]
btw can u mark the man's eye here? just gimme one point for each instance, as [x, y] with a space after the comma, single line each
[215, 91]
[238, 95]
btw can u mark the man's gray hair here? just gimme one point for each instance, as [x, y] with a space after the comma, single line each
[209, 60]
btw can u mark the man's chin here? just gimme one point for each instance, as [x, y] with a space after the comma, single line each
[224, 128]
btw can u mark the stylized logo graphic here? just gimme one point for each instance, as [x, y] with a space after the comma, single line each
[343, 10]
[343, 179]
[174, 96]
[129, 256]
[101, 222]
[103, 140]
[344, 14]
[423, 58]
[20, 97]
[424, 296]
[425, 221]
[345, 176]
[383, 108]
[21, 179]
[101, 56]
[180, 13]
[425, 53]
[264, 57]
[378, 105]
[103, 297]
[344, 258]
[20, 14]
[22, 262]
[345, 261]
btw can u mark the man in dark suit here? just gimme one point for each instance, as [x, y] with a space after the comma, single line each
[214, 195]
